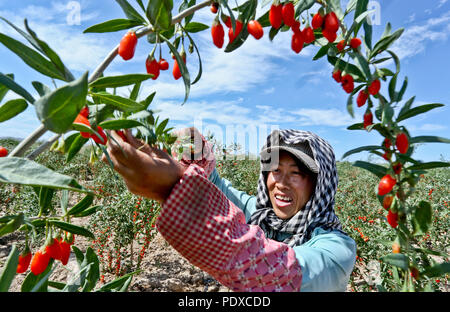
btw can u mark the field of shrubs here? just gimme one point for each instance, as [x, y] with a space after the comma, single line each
[124, 226]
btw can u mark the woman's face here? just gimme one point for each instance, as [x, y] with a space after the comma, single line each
[289, 188]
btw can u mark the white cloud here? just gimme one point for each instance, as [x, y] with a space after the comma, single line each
[441, 3]
[78, 51]
[427, 127]
[324, 117]
[414, 39]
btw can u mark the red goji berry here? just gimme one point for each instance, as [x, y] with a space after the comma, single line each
[127, 45]
[317, 21]
[287, 13]
[275, 15]
[386, 185]
[3, 151]
[24, 262]
[217, 33]
[255, 29]
[39, 262]
[308, 35]
[362, 98]
[402, 143]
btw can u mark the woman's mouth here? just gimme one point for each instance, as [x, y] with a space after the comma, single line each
[283, 201]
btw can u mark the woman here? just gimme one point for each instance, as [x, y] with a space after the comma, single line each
[287, 238]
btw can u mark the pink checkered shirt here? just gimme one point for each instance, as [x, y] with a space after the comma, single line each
[210, 232]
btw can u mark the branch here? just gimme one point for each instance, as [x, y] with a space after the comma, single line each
[20, 149]
[142, 32]
[41, 130]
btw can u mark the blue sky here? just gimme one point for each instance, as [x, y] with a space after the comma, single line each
[261, 85]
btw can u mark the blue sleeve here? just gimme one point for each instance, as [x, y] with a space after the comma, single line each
[242, 200]
[327, 260]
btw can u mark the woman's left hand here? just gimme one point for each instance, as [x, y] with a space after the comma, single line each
[147, 171]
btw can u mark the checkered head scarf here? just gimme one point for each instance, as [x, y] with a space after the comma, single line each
[319, 210]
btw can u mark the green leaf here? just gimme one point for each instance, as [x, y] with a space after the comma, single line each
[9, 269]
[391, 89]
[32, 58]
[398, 260]
[117, 283]
[437, 270]
[361, 149]
[141, 4]
[51, 54]
[118, 124]
[12, 108]
[113, 25]
[417, 110]
[17, 170]
[78, 254]
[362, 64]
[384, 43]
[9, 83]
[93, 273]
[247, 13]
[345, 66]
[135, 91]
[74, 229]
[360, 7]
[199, 74]
[42, 284]
[194, 27]
[148, 100]
[159, 13]
[119, 81]
[58, 109]
[402, 90]
[183, 69]
[377, 170]
[15, 222]
[81, 205]
[406, 107]
[428, 139]
[88, 211]
[75, 147]
[32, 280]
[422, 218]
[303, 6]
[120, 103]
[130, 12]
[64, 201]
[350, 105]
[41, 88]
[45, 198]
[322, 52]
[429, 165]
[367, 35]
[264, 20]
[42, 47]
[160, 128]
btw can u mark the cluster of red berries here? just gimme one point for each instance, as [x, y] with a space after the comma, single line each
[388, 182]
[58, 249]
[82, 118]
[126, 50]
[154, 67]
[285, 14]
[254, 28]
[402, 146]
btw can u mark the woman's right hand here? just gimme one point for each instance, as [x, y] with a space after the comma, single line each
[147, 171]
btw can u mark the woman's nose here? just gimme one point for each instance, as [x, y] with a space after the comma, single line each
[282, 180]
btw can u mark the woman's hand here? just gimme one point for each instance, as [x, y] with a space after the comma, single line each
[147, 171]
